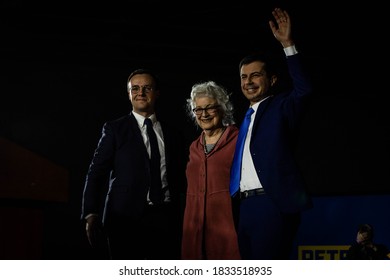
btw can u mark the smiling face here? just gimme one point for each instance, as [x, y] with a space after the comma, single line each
[143, 94]
[255, 82]
[210, 118]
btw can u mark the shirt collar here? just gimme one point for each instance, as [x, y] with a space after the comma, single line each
[141, 119]
[255, 106]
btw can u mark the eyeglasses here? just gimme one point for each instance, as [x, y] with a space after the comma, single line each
[137, 89]
[210, 110]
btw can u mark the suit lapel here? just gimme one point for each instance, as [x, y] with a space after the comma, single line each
[260, 111]
[135, 133]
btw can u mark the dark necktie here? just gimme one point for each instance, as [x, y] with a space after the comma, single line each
[155, 192]
[235, 173]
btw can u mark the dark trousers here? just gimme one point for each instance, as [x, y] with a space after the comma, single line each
[154, 236]
[264, 233]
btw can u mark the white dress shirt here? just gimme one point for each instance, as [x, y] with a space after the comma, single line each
[160, 139]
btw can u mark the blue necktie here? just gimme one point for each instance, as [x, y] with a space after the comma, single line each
[155, 192]
[235, 172]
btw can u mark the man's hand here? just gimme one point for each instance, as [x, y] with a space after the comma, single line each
[281, 31]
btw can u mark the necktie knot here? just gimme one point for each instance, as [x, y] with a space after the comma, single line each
[249, 113]
[148, 122]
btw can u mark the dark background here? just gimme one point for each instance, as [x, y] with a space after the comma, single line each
[64, 67]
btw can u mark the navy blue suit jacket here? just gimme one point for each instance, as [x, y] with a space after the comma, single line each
[272, 142]
[120, 171]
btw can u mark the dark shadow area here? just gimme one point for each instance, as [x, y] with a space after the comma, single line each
[64, 73]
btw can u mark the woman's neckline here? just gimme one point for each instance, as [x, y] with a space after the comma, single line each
[208, 147]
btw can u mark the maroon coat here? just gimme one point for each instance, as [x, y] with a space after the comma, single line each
[208, 203]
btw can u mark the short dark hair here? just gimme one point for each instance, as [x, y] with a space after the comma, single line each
[145, 71]
[269, 65]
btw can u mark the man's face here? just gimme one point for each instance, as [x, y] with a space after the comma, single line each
[361, 237]
[255, 82]
[142, 94]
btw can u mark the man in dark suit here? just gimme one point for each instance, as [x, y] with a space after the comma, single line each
[136, 227]
[271, 191]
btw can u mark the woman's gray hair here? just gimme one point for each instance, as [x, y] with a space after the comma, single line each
[215, 91]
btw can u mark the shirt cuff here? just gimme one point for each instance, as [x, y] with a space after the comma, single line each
[291, 50]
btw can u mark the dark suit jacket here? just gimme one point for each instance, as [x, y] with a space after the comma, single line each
[121, 161]
[271, 145]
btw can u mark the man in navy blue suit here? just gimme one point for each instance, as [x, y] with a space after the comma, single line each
[136, 227]
[271, 192]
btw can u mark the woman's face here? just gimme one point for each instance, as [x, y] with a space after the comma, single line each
[208, 113]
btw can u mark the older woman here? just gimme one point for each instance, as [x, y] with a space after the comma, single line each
[208, 227]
